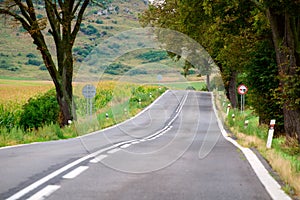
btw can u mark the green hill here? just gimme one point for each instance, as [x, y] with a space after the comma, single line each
[19, 58]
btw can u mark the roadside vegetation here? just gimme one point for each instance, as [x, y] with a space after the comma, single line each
[32, 115]
[284, 155]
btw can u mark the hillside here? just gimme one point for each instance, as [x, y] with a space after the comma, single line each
[20, 59]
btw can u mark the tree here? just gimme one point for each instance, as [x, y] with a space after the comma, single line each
[64, 18]
[284, 19]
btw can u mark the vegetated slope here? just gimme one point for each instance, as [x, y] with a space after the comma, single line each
[20, 59]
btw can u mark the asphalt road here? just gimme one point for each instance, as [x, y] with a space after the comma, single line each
[173, 150]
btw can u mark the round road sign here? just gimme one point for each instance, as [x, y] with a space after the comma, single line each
[89, 91]
[242, 89]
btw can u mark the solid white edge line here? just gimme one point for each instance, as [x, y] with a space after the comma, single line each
[74, 173]
[45, 192]
[271, 185]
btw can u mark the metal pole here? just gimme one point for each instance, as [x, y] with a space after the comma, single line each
[241, 103]
[87, 106]
[91, 106]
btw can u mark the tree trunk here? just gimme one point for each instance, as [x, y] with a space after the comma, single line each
[285, 40]
[232, 89]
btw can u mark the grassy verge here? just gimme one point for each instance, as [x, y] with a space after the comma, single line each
[120, 104]
[283, 157]
[197, 85]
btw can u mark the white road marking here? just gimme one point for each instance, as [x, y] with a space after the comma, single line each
[113, 150]
[43, 180]
[38, 183]
[98, 159]
[125, 146]
[271, 185]
[45, 192]
[75, 172]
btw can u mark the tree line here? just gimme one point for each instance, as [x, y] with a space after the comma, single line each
[252, 42]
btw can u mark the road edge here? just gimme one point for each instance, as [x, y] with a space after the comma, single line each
[270, 184]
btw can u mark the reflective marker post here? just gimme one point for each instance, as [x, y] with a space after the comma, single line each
[228, 109]
[271, 133]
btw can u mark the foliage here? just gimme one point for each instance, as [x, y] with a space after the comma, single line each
[39, 111]
[152, 56]
[89, 30]
[117, 69]
[34, 62]
[262, 80]
[8, 118]
[238, 35]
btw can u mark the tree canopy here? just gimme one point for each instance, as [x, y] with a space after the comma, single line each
[252, 42]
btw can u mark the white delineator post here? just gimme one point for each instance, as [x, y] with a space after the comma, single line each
[228, 109]
[271, 133]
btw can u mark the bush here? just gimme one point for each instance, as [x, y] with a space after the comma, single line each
[34, 62]
[153, 56]
[31, 55]
[39, 111]
[43, 68]
[89, 30]
[98, 21]
[4, 65]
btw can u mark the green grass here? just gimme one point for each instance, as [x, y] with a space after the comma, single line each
[184, 85]
[279, 143]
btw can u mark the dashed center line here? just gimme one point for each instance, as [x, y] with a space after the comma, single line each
[75, 172]
[98, 159]
[125, 146]
[45, 192]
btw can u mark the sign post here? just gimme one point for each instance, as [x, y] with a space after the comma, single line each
[242, 90]
[89, 92]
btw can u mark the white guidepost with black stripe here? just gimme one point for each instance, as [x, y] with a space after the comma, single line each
[271, 133]
[242, 90]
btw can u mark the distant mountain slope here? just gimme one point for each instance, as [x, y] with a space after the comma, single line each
[20, 59]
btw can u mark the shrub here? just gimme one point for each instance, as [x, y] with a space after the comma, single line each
[34, 62]
[30, 55]
[43, 68]
[4, 65]
[99, 21]
[153, 56]
[89, 30]
[39, 111]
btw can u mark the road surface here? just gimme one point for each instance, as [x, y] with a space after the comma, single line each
[172, 150]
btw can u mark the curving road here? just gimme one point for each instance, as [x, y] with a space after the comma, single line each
[172, 150]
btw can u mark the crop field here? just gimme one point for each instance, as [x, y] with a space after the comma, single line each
[14, 94]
